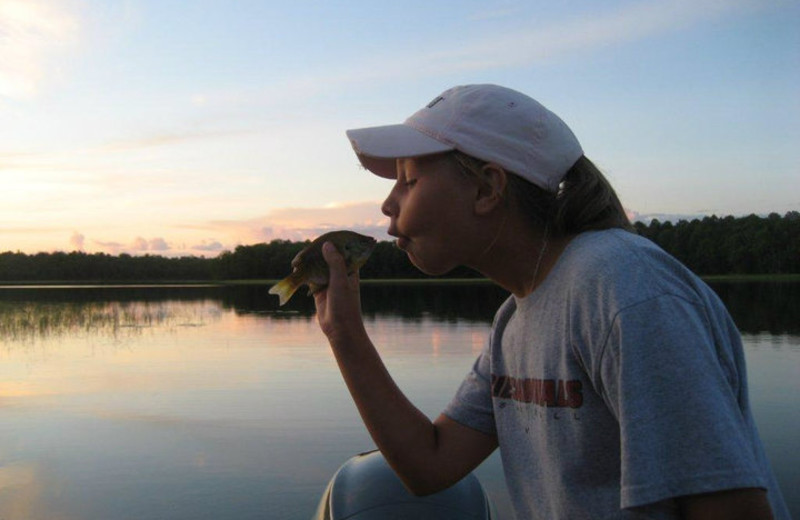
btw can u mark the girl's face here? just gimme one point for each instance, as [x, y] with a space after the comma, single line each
[430, 209]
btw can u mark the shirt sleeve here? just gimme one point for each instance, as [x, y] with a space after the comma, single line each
[678, 401]
[472, 404]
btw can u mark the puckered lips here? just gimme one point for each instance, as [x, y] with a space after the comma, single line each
[401, 242]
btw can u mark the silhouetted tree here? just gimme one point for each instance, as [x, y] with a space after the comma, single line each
[712, 245]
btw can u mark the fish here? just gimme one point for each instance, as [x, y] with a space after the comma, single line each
[309, 267]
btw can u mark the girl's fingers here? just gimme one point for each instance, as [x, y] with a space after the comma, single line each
[334, 259]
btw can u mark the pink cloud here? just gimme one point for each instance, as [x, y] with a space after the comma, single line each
[76, 241]
[305, 223]
[158, 244]
[209, 246]
[110, 247]
[295, 224]
[139, 244]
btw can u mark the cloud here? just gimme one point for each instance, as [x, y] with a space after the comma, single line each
[76, 241]
[27, 230]
[158, 244]
[537, 43]
[113, 248]
[665, 217]
[168, 139]
[634, 22]
[137, 246]
[523, 45]
[35, 32]
[209, 246]
[305, 223]
[141, 244]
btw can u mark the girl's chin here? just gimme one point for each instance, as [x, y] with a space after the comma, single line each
[427, 267]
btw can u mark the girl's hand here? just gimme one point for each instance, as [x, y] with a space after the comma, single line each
[339, 304]
[428, 456]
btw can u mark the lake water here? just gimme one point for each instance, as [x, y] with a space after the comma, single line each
[209, 402]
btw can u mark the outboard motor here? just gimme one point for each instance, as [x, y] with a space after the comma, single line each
[366, 488]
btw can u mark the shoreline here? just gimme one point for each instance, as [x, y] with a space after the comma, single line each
[32, 284]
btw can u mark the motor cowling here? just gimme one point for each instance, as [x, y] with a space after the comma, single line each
[366, 488]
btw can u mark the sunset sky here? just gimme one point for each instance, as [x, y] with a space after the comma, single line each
[188, 128]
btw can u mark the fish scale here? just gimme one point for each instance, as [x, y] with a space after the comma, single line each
[309, 266]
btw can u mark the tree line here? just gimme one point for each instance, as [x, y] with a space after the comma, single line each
[709, 246]
[729, 245]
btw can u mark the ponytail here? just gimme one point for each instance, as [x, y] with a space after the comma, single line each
[585, 200]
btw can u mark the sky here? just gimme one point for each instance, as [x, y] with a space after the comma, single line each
[191, 127]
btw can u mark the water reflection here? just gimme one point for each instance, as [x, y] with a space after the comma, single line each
[30, 313]
[33, 321]
[471, 302]
[771, 307]
[213, 402]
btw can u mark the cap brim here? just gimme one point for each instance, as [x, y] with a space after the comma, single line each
[377, 147]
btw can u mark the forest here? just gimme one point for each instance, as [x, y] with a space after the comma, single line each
[709, 246]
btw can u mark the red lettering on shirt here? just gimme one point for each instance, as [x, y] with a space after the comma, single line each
[554, 393]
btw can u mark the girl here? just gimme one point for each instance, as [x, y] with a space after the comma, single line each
[613, 380]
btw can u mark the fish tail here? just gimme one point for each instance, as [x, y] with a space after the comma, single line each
[285, 288]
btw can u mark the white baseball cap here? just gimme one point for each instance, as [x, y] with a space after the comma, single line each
[488, 122]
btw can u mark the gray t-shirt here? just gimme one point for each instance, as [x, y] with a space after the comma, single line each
[616, 386]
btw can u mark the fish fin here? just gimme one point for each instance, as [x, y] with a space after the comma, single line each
[285, 288]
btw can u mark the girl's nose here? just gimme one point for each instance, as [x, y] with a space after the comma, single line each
[389, 207]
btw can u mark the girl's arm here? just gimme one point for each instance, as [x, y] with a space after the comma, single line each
[427, 456]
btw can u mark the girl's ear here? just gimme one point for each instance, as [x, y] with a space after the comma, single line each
[492, 189]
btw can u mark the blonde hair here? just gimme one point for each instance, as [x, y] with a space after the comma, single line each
[585, 200]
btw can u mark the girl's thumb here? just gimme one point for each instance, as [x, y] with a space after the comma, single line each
[332, 256]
